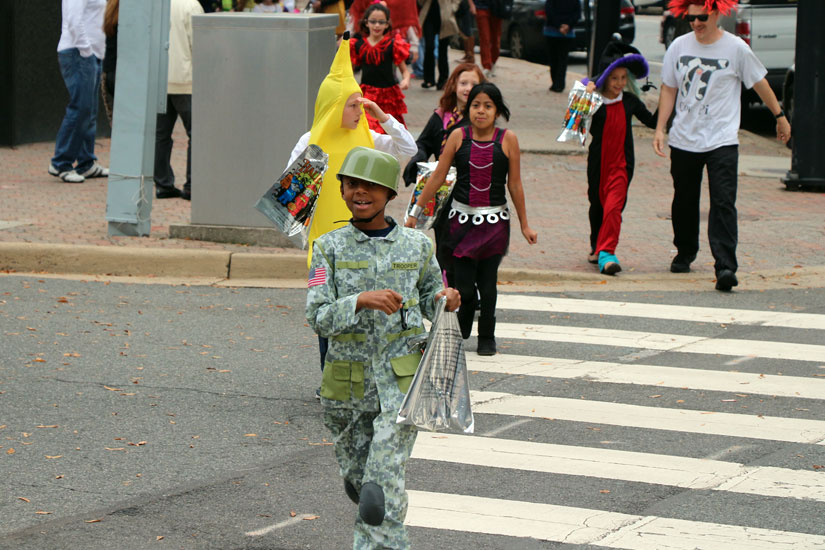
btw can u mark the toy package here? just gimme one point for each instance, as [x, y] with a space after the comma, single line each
[290, 202]
[431, 210]
[580, 108]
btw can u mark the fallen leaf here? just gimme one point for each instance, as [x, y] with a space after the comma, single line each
[604, 491]
[250, 435]
[51, 426]
[42, 513]
[55, 456]
[24, 499]
[10, 451]
[159, 537]
[93, 520]
[115, 448]
[818, 466]
[39, 360]
[310, 518]
[112, 389]
[292, 514]
[654, 396]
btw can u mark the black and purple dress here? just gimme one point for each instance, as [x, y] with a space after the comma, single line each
[478, 222]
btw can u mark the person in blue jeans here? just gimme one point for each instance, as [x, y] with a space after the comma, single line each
[80, 53]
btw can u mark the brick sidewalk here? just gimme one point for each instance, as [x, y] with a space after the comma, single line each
[778, 229]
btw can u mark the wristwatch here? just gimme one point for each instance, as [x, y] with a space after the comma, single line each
[780, 114]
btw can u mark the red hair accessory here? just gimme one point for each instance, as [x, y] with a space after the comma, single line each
[679, 8]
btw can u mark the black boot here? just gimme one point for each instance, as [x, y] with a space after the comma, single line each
[486, 336]
[351, 491]
[466, 313]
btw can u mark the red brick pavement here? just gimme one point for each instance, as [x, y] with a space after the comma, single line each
[778, 229]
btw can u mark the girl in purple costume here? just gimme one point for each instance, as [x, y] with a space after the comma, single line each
[487, 160]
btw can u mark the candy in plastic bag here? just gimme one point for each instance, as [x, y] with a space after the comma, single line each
[439, 394]
[579, 114]
[431, 210]
[290, 202]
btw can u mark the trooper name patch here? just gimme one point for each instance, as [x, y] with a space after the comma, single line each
[405, 265]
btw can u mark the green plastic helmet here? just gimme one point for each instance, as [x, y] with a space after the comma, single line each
[372, 165]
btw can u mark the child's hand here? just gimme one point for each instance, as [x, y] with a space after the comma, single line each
[531, 236]
[388, 301]
[405, 83]
[590, 87]
[410, 222]
[373, 109]
[453, 298]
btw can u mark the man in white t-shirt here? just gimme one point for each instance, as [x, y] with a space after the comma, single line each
[702, 76]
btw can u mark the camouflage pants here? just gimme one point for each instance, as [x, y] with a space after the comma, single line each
[370, 446]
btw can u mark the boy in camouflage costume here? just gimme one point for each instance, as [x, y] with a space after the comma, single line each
[370, 285]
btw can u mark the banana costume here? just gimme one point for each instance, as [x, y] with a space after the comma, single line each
[327, 133]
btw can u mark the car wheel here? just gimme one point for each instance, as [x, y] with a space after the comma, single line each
[669, 34]
[517, 43]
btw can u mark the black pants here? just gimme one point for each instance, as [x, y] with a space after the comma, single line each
[176, 105]
[431, 27]
[557, 51]
[471, 274]
[686, 169]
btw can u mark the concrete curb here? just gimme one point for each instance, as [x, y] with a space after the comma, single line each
[257, 269]
[112, 260]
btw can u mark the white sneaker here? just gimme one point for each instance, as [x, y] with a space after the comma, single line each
[493, 70]
[96, 171]
[71, 177]
[487, 74]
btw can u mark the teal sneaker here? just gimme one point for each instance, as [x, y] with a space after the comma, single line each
[608, 263]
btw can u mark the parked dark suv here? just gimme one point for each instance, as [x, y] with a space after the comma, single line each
[523, 34]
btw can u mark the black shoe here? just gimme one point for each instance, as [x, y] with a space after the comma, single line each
[681, 263]
[349, 489]
[426, 84]
[440, 84]
[556, 89]
[725, 280]
[186, 195]
[486, 346]
[167, 192]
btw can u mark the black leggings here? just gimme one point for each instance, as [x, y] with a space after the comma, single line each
[470, 274]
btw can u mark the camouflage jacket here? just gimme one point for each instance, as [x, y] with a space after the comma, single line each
[368, 365]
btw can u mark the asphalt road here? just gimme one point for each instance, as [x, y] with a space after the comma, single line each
[134, 412]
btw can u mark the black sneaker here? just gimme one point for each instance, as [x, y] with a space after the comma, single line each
[318, 394]
[166, 192]
[725, 280]
[681, 263]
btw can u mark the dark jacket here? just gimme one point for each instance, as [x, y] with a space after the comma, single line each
[562, 12]
[429, 143]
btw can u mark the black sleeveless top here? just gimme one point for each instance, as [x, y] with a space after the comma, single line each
[482, 169]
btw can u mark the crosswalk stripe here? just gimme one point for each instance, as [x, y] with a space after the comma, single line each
[649, 375]
[662, 342]
[663, 311]
[684, 472]
[586, 526]
[657, 418]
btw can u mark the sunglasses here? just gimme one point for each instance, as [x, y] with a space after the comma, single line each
[383, 22]
[701, 17]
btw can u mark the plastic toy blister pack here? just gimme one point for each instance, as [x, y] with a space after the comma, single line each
[290, 202]
[577, 118]
[431, 210]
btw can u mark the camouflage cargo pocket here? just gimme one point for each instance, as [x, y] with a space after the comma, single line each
[343, 380]
[404, 368]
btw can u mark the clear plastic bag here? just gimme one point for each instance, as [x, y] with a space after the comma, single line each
[431, 210]
[439, 394]
[580, 108]
[290, 202]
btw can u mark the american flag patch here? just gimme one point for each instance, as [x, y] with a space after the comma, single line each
[317, 276]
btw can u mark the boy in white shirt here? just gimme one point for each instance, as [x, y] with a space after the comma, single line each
[702, 76]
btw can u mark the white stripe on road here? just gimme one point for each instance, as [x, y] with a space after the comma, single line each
[655, 418]
[584, 526]
[286, 523]
[663, 342]
[663, 311]
[649, 375]
[675, 471]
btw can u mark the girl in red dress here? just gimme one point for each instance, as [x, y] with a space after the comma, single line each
[377, 51]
